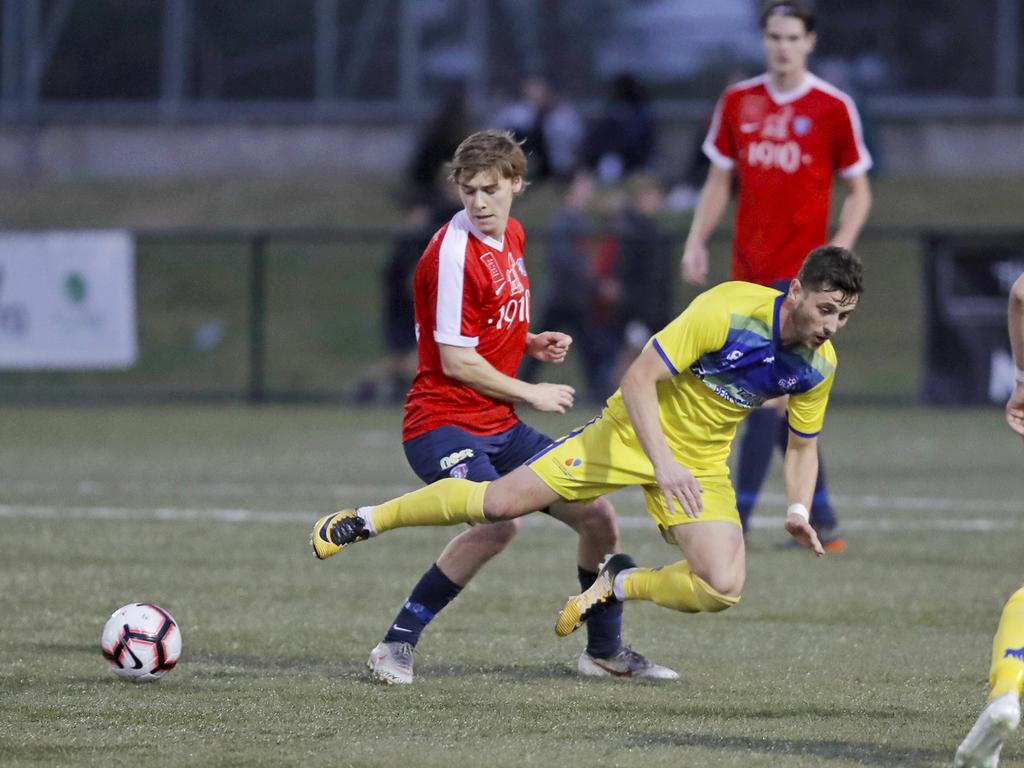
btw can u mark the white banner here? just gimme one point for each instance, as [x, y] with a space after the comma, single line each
[67, 300]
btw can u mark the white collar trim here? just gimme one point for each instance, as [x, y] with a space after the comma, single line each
[463, 219]
[786, 97]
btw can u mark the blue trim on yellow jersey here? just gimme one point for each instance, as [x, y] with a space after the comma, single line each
[561, 440]
[753, 365]
[664, 357]
[776, 330]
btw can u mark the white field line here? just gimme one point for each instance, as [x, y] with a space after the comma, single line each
[180, 514]
[361, 492]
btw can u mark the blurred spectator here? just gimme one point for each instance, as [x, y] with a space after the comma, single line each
[603, 338]
[569, 283]
[435, 146]
[622, 139]
[549, 126]
[684, 194]
[644, 269]
[570, 295]
[563, 133]
[388, 380]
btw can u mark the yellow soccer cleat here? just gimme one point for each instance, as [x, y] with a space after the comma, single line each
[337, 530]
[594, 598]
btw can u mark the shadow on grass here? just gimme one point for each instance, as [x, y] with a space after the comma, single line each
[864, 754]
[510, 672]
[229, 665]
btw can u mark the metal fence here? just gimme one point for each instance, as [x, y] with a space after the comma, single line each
[172, 60]
[296, 316]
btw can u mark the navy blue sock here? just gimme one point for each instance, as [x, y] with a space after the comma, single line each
[432, 593]
[756, 450]
[604, 631]
[822, 514]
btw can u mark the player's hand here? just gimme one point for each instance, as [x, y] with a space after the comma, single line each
[556, 398]
[549, 346]
[801, 530]
[679, 485]
[695, 264]
[1015, 410]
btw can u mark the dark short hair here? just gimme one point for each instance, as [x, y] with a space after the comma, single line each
[795, 9]
[490, 150]
[831, 268]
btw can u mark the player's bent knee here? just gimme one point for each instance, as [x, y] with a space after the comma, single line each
[721, 582]
[500, 534]
[599, 524]
[500, 509]
[712, 600]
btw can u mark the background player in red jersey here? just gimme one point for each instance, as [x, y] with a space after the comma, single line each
[784, 135]
[472, 307]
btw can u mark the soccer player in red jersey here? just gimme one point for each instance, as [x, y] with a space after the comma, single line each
[472, 308]
[783, 136]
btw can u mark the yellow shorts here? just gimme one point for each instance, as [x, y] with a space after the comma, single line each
[604, 455]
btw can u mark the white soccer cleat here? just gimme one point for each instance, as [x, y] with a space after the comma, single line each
[983, 743]
[391, 663]
[625, 663]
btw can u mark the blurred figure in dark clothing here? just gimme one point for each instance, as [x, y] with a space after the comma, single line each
[571, 285]
[548, 124]
[685, 193]
[435, 146]
[388, 380]
[622, 139]
[644, 268]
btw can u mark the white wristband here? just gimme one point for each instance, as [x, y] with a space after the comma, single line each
[799, 510]
[1020, 375]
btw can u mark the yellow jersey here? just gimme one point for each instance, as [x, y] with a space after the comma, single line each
[724, 354]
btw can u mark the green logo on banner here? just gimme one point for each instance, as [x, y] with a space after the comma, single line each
[75, 287]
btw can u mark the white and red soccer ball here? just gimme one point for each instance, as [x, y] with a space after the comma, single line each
[141, 641]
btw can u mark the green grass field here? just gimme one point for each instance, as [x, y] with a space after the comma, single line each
[876, 657]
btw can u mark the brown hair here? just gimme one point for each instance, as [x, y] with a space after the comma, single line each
[491, 150]
[832, 268]
[791, 8]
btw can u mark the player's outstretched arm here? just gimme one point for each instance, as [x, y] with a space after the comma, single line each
[548, 346]
[801, 472]
[1015, 315]
[714, 198]
[469, 367]
[640, 394]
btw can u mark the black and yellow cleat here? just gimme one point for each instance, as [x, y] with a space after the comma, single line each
[337, 530]
[594, 598]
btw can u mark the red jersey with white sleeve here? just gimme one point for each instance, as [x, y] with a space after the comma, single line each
[784, 148]
[469, 290]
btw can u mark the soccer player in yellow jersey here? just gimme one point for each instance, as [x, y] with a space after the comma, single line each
[668, 429]
[982, 745]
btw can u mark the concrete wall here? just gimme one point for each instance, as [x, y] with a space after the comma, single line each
[94, 151]
[77, 151]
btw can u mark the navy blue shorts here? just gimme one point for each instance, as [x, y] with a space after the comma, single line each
[453, 452]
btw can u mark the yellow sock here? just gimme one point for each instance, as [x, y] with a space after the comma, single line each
[675, 587]
[445, 502]
[1007, 673]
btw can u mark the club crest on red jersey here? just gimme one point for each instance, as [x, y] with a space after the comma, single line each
[512, 271]
[801, 125]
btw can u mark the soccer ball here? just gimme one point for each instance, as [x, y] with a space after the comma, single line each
[141, 641]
